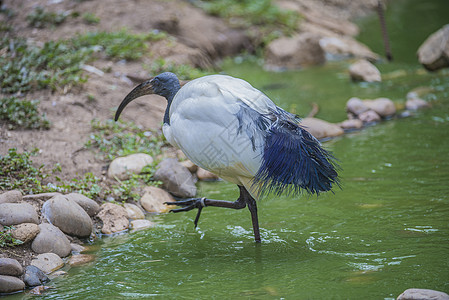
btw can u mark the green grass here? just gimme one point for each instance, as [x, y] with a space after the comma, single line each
[268, 17]
[90, 18]
[58, 64]
[17, 172]
[41, 18]
[114, 139]
[118, 45]
[24, 67]
[184, 72]
[6, 239]
[24, 114]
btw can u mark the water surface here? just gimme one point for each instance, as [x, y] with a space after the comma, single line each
[386, 230]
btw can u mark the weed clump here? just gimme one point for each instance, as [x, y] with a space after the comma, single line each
[40, 18]
[24, 114]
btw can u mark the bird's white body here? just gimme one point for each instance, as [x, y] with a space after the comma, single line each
[205, 126]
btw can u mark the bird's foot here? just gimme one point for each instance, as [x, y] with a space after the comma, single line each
[189, 204]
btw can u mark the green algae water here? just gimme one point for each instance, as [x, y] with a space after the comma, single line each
[386, 230]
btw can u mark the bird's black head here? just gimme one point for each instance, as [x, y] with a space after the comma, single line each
[165, 84]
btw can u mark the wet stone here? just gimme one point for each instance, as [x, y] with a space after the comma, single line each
[134, 212]
[34, 276]
[10, 284]
[80, 259]
[48, 262]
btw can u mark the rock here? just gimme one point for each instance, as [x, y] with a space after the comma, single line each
[351, 124]
[384, 107]
[38, 290]
[123, 167]
[205, 175]
[189, 165]
[114, 218]
[363, 70]
[25, 232]
[10, 284]
[51, 239]
[141, 224]
[68, 216]
[80, 259]
[294, 52]
[42, 196]
[433, 54]
[9, 266]
[154, 198]
[89, 205]
[17, 213]
[356, 106]
[77, 248]
[342, 47]
[34, 276]
[175, 178]
[416, 103]
[14, 196]
[339, 26]
[48, 262]
[369, 116]
[134, 212]
[58, 273]
[321, 129]
[422, 294]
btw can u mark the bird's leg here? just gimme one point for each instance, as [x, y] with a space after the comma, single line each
[244, 199]
[252, 206]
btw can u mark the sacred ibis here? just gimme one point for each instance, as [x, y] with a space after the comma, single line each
[228, 127]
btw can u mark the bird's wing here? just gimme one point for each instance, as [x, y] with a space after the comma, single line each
[219, 126]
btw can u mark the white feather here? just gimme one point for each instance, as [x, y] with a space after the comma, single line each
[204, 125]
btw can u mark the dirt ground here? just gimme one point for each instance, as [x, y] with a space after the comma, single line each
[199, 39]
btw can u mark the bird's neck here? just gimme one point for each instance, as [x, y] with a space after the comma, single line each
[169, 101]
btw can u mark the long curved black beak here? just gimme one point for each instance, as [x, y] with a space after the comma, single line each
[145, 88]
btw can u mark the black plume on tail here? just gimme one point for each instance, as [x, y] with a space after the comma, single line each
[294, 160]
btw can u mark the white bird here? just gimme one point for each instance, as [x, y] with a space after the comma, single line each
[229, 128]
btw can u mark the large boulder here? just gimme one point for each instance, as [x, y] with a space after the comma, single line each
[51, 239]
[17, 213]
[433, 54]
[294, 52]
[114, 218]
[321, 129]
[68, 216]
[176, 178]
[363, 70]
[123, 167]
